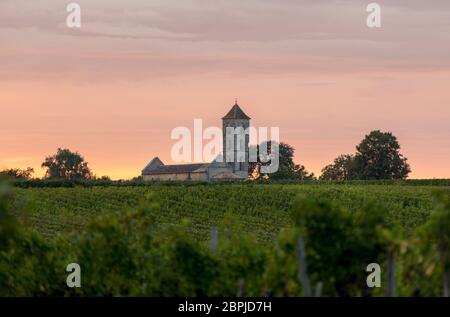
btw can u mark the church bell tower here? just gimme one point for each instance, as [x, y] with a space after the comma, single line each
[236, 151]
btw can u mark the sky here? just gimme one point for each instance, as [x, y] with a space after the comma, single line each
[116, 87]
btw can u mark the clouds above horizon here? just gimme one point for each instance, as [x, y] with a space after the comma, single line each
[147, 39]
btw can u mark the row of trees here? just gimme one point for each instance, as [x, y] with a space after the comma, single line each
[377, 157]
[64, 164]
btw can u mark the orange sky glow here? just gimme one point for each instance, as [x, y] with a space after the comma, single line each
[114, 89]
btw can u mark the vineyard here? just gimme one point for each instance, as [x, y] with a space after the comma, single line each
[261, 210]
[225, 240]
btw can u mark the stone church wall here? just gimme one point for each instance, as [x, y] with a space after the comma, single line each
[176, 177]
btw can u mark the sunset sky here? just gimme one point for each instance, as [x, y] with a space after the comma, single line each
[115, 88]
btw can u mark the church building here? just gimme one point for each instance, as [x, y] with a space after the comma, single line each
[227, 170]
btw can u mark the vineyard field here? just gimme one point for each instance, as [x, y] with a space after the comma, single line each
[261, 209]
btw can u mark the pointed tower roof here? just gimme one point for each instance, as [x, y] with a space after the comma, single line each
[236, 113]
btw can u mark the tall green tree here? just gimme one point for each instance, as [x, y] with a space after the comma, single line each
[66, 164]
[378, 157]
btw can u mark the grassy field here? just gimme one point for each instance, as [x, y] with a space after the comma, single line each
[261, 209]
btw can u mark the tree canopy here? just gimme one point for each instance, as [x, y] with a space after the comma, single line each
[66, 164]
[377, 157]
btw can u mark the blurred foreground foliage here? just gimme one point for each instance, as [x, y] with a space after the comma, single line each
[123, 254]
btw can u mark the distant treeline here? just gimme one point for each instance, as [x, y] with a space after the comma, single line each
[139, 182]
[377, 158]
